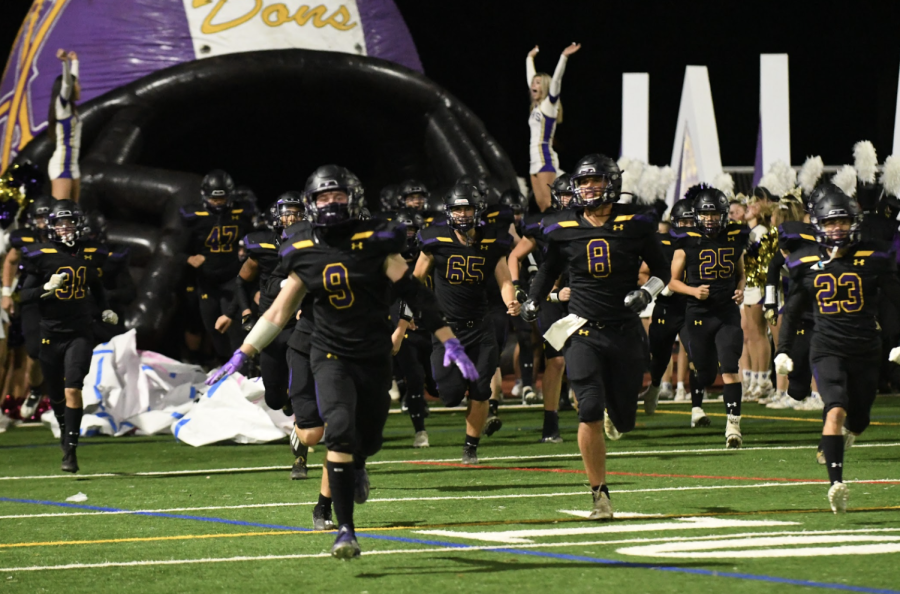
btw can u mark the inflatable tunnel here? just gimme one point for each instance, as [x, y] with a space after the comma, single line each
[269, 118]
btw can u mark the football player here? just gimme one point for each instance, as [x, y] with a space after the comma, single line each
[844, 277]
[349, 266]
[462, 255]
[710, 260]
[117, 280]
[603, 244]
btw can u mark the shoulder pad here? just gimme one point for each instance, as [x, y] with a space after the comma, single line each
[496, 234]
[193, 211]
[378, 230]
[260, 241]
[737, 228]
[559, 220]
[434, 235]
[809, 254]
[872, 249]
[302, 238]
[298, 227]
[120, 254]
[94, 248]
[38, 249]
[498, 215]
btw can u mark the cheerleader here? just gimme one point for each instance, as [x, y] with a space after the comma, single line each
[64, 129]
[546, 113]
[757, 354]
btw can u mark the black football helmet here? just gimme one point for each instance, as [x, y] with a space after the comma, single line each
[36, 216]
[835, 204]
[817, 194]
[411, 189]
[562, 192]
[217, 185]
[330, 178]
[463, 195]
[95, 227]
[413, 221]
[514, 200]
[65, 222]
[601, 166]
[287, 210]
[682, 213]
[389, 197]
[710, 211]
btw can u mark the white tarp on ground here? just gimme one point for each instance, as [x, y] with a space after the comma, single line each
[128, 390]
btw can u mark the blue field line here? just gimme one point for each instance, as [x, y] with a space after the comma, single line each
[463, 547]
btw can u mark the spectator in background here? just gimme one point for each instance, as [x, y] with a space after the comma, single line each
[546, 112]
[64, 129]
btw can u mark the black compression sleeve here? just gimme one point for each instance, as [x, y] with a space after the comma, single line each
[240, 294]
[553, 265]
[773, 273]
[793, 310]
[421, 300]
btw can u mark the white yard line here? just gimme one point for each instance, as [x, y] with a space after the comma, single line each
[427, 461]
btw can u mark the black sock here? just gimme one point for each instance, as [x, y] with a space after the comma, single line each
[415, 403]
[601, 489]
[73, 425]
[833, 448]
[696, 390]
[359, 461]
[493, 406]
[342, 479]
[59, 411]
[472, 442]
[731, 394]
[551, 424]
[527, 370]
[324, 502]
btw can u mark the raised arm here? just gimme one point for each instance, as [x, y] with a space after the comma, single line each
[530, 72]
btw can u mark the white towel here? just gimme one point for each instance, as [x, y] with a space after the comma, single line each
[560, 331]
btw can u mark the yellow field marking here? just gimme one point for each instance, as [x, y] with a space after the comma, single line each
[766, 418]
[426, 527]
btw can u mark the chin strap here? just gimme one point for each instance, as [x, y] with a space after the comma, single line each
[820, 265]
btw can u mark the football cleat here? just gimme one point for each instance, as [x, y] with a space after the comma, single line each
[650, 396]
[394, 391]
[733, 438]
[780, 401]
[603, 509]
[811, 402]
[492, 425]
[517, 389]
[849, 438]
[681, 395]
[820, 457]
[838, 495]
[609, 428]
[421, 439]
[665, 391]
[299, 470]
[552, 439]
[322, 518]
[470, 455]
[361, 488]
[529, 396]
[70, 460]
[699, 418]
[29, 407]
[345, 545]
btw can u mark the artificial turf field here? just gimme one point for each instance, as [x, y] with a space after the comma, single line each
[165, 517]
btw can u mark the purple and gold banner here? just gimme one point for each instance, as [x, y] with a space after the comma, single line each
[120, 41]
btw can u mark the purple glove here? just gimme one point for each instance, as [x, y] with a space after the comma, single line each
[455, 353]
[234, 364]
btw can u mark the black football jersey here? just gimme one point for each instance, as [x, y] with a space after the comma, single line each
[67, 310]
[844, 294]
[675, 301]
[343, 268]
[216, 236]
[461, 271]
[21, 239]
[793, 235]
[712, 261]
[262, 247]
[603, 262]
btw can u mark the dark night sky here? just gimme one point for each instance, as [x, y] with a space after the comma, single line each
[844, 62]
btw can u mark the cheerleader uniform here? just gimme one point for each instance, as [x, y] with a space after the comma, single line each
[542, 121]
[64, 162]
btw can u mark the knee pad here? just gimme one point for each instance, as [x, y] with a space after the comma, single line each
[590, 409]
[339, 436]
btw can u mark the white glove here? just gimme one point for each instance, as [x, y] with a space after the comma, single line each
[110, 317]
[56, 281]
[894, 357]
[783, 364]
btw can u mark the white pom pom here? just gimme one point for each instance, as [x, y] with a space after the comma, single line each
[666, 179]
[623, 163]
[890, 178]
[845, 179]
[865, 160]
[810, 173]
[724, 183]
[646, 187]
[787, 177]
[631, 175]
[771, 182]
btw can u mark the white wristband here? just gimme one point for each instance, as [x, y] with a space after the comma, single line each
[263, 333]
[554, 297]
[654, 286]
[770, 295]
[6, 292]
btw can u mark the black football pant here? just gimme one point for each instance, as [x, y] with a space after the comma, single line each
[549, 314]
[714, 340]
[31, 329]
[273, 367]
[65, 362]
[354, 400]
[800, 379]
[666, 324]
[216, 299]
[302, 390]
[481, 347]
[413, 365]
[849, 382]
[526, 349]
[606, 369]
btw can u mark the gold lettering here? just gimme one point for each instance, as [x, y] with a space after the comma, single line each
[281, 13]
[208, 28]
[342, 25]
[304, 13]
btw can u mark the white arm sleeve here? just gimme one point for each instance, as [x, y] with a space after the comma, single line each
[556, 81]
[66, 91]
[530, 72]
